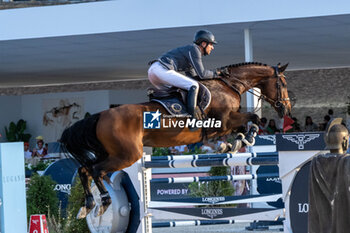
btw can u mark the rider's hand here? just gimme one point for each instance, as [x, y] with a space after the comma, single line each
[218, 73]
[224, 72]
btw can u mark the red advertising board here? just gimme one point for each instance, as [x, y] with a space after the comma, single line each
[38, 224]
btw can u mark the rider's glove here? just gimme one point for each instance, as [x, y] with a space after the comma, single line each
[223, 72]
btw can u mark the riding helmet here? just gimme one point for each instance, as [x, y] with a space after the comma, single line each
[204, 35]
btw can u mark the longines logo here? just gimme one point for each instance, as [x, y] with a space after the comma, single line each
[301, 139]
[13, 179]
[212, 212]
[213, 200]
[64, 188]
[303, 207]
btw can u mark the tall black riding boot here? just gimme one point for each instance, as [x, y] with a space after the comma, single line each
[192, 101]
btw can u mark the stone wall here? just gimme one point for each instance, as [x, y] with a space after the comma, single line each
[91, 86]
[316, 91]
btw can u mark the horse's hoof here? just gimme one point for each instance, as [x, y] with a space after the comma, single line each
[100, 210]
[222, 148]
[225, 147]
[83, 212]
[237, 145]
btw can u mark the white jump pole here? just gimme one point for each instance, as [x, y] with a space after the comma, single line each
[252, 100]
[140, 178]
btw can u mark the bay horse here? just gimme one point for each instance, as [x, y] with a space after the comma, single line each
[114, 139]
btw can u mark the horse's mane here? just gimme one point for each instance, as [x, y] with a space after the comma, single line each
[244, 64]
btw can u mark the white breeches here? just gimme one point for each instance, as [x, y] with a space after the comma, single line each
[163, 78]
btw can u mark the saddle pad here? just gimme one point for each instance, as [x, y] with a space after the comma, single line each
[204, 97]
[174, 106]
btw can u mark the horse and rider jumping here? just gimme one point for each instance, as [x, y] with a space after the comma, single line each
[114, 139]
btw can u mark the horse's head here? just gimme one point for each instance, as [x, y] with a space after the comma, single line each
[274, 89]
[271, 80]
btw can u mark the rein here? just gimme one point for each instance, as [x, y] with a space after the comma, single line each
[232, 87]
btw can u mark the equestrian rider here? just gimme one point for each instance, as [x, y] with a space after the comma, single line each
[165, 71]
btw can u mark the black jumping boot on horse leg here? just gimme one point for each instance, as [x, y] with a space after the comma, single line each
[242, 140]
[249, 139]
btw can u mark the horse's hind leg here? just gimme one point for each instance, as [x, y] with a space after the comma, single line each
[89, 199]
[97, 175]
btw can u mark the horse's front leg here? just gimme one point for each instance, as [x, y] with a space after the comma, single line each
[237, 119]
[254, 118]
[89, 199]
[249, 137]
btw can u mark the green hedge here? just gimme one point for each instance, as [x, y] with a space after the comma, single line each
[41, 197]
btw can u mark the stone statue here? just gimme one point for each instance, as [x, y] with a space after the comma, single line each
[329, 184]
[337, 137]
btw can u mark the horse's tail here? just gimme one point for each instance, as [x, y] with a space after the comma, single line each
[80, 141]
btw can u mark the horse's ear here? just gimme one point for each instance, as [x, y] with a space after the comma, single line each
[282, 68]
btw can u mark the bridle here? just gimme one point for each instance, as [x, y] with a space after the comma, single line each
[277, 103]
[279, 100]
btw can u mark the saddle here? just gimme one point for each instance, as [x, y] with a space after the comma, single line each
[174, 99]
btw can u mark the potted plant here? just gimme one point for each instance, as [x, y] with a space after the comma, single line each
[15, 132]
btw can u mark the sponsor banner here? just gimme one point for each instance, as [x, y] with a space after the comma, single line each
[214, 200]
[215, 213]
[299, 200]
[38, 224]
[300, 141]
[63, 172]
[169, 191]
[270, 184]
[13, 214]
[265, 140]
